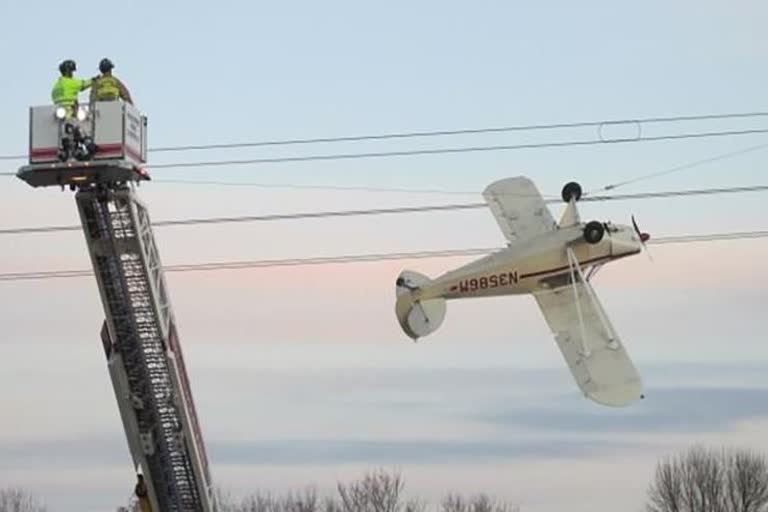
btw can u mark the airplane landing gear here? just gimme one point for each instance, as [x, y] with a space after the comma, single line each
[594, 231]
[571, 190]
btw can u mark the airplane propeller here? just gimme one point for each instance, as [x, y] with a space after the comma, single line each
[644, 237]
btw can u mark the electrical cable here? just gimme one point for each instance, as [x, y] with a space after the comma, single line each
[296, 186]
[441, 151]
[444, 151]
[360, 258]
[683, 167]
[677, 168]
[442, 133]
[392, 211]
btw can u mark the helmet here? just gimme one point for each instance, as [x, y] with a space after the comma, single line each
[68, 66]
[106, 65]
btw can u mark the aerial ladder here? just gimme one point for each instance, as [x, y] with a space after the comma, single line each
[99, 151]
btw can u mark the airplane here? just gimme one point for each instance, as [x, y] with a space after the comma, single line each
[553, 261]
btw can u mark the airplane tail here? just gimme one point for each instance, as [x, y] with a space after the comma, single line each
[417, 317]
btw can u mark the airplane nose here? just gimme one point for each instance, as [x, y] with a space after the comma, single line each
[644, 237]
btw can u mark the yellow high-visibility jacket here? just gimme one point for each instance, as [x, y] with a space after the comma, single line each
[66, 89]
[109, 88]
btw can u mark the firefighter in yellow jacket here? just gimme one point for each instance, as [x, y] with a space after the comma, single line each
[67, 87]
[108, 87]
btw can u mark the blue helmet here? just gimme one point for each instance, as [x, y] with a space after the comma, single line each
[68, 66]
[105, 66]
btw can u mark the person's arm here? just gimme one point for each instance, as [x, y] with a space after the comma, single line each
[124, 94]
[85, 84]
[56, 91]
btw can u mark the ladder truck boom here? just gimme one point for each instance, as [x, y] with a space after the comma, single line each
[139, 335]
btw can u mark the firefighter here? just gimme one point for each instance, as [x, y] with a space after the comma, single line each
[141, 493]
[67, 88]
[108, 87]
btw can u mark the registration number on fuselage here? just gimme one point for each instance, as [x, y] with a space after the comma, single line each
[487, 282]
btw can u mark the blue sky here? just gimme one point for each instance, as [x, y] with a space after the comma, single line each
[486, 403]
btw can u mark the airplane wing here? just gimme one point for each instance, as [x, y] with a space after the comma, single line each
[606, 375]
[518, 208]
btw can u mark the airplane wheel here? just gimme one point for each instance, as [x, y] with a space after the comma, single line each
[593, 232]
[571, 190]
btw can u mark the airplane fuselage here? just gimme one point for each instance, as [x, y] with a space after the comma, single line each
[528, 265]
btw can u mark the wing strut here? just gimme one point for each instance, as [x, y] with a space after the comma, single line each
[573, 263]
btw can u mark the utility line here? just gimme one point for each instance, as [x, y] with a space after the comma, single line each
[442, 133]
[683, 167]
[466, 131]
[450, 150]
[393, 210]
[296, 186]
[675, 193]
[359, 258]
[445, 151]
[267, 218]
[453, 150]
[662, 172]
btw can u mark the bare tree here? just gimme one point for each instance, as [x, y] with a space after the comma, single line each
[378, 491]
[455, 502]
[302, 501]
[258, 503]
[414, 505]
[133, 505]
[330, 505]
[294, 501]
[702, 480]
[747, 481]
[18, 500]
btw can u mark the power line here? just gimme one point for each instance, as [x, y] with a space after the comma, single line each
[453, 150]
[683, 167]
[676, 193]
[296, 186]
[677, 168]
[442, 133]
[445, 151]
[407, 153]
[713, 237]
[359, 258]
[268, 217]
[393, 211]
[465, 131]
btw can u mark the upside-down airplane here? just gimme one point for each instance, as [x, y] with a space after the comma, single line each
[553, 261]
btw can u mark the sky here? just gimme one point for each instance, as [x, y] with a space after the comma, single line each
[301, 375]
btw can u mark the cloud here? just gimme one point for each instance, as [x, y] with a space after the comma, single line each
[664, 410]
[85, 451]
[111, 451]
[524, 431]
[375, 453]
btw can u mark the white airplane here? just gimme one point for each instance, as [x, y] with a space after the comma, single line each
[554, 261]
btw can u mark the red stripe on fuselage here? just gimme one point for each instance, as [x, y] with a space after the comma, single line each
[567, 267]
